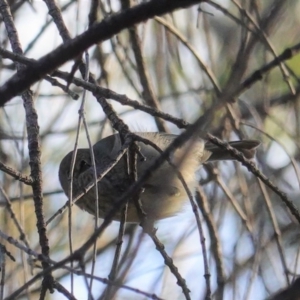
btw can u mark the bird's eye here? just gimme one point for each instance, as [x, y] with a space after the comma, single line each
[83, 166]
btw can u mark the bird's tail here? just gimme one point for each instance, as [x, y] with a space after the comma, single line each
[247, 147]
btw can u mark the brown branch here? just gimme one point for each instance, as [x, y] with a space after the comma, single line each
[252, 168]
[96, 34]
[15, 174]
[56, 266]
[145, 80]
[33, 147]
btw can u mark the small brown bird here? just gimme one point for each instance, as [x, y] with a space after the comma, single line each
[163, 195]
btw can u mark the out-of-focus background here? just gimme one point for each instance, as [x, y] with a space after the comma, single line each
[192, 58]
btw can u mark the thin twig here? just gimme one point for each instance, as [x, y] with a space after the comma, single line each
[253, 169]
[15, 174]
